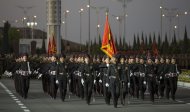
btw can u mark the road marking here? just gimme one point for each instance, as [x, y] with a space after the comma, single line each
[22, 106]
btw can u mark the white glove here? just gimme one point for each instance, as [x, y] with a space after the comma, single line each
[57, 82]
[94, 81]
[107, 85]
[131, 74]
[128, 84]
[9, 74]
[69, 80]
[144, 82]
[160, 77]
[39, 76]
[82, 81]
[100, 81]
[98, 74]
[30, 72]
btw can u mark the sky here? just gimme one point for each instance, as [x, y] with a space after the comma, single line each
[142, 16]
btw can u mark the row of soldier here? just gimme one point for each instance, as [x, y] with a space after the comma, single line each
[114, 78]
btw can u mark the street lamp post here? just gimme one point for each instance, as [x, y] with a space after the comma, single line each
[88, 26]
[65, 16]
[80, 12]
[32, 24]
[98, 17]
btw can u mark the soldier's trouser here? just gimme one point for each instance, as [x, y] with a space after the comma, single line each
[132, 86]
[25, 82]
[53, 86]
[63, 86]
[142, 86]
[107, 94]
[167, 86]
[115, 90]
[44, 80]
[136, 85]
[124, 88]
[161, 87]
[173, 86]
[151, 87]
[88, 85]
[80, 88]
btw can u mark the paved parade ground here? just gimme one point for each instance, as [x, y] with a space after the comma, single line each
[38, 101]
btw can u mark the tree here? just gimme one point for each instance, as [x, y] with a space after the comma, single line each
[150, 42]
[138, 42]
[120, 44]
[5, 44]
[14, 36]
[134, 43]
[159, 42]
[43, 46]
[146, 42]
[185, 42]
[165, 45]
[124, 44]
[174, 46]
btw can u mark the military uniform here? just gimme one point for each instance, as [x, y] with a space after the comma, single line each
[87, 76]
[151, 78]
[114, 84]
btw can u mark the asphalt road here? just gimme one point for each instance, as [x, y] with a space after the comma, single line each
[38, 101]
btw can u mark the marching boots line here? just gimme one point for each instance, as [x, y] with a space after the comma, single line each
[115, 78]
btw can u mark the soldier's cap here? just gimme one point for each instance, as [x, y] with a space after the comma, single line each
[173, 57]
[54, 55]
[25, 54]
[87, 56]
[131, 57]
[142, 57]
[122, 57]
[106, 56]
[168, 57]
[137, 56]
[62, 56]
[149, 57]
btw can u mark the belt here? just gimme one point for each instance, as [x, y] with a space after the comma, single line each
[62, 73]
[114, 77]
[105, 74]
[87, 74]
[142, 74]
[52, 72]
[136, 73]
[171, 75]
[24, 73]
[151, 75]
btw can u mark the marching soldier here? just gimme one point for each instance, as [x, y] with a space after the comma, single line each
[62, 77]
[87, 79]
[51, 68]
[106, 89]
[25, 72]
[123, 79]
[172, 76]
[142, 82]
[114, 80]
[151, 78]
[161, 77]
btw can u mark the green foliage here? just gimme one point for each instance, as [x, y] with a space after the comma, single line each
[184, 76]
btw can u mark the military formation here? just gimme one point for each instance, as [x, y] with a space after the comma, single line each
[120, 77]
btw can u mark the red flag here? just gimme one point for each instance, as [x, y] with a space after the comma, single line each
[49, 47]
[108, 46]
[53, 46]
[155, 49]
[142, 47]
